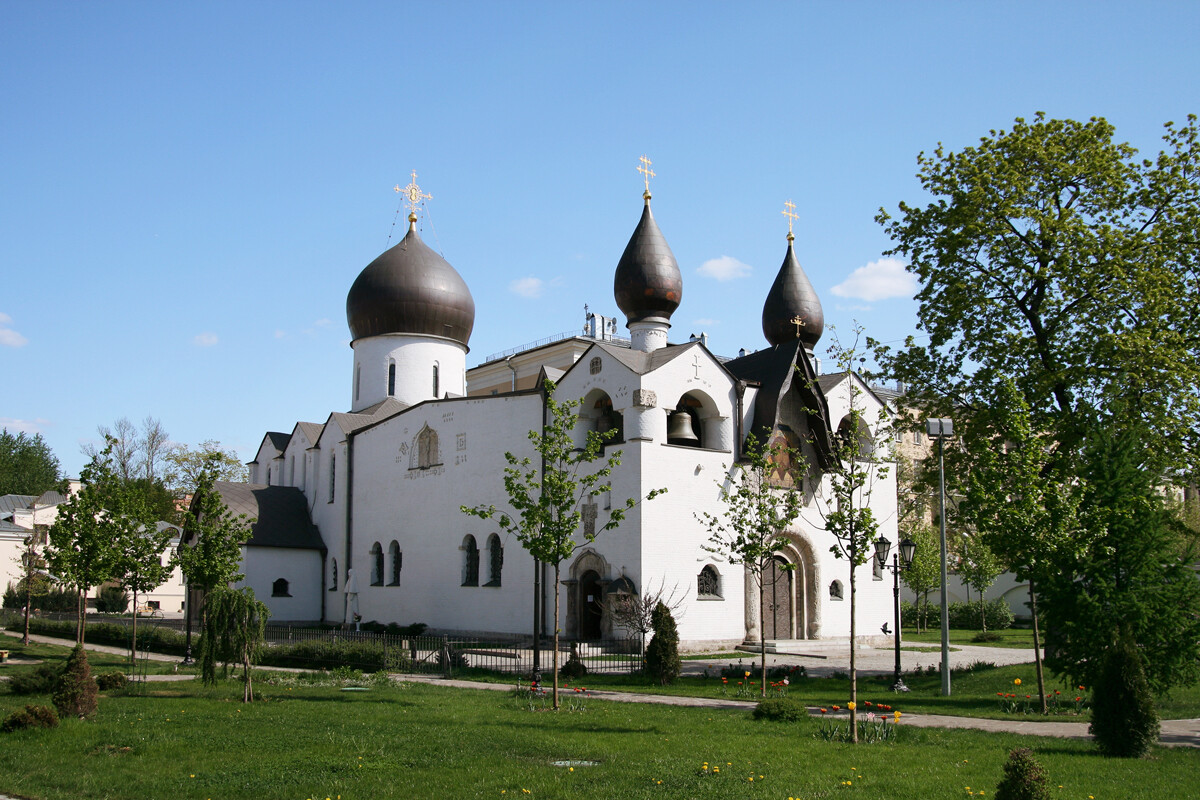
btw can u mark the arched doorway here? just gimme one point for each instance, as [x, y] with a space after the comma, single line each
[591, 606]
[777, 600]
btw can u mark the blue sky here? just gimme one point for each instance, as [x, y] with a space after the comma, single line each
[188, 190]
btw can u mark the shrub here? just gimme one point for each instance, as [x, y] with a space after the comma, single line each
[986, 636]
[39, 681]
[662, 655]
[1024, 778]
[30, 717]
[574, 668]
[112, 600]
[1123, 718]
[781, 709]
[76, 692]
[11, 598]
[111, 680]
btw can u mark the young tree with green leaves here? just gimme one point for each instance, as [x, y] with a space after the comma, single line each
[547, 498]
[233, 631]
[978, 568]
[27, 465]
[925, 573]
[758, 512]
[139, 566]
[863, 453]
[210, 550]
[34, 580]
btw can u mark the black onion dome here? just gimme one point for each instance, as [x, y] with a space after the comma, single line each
[410, 289]
[647, 284]
[792, 295]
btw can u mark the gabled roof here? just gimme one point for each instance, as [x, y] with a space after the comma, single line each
[50, 498]
[311, 430]
[279, 440]
[11, 502]
[641, 363]
[278, 514]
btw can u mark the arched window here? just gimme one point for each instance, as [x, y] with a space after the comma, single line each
[436, 383]
[333, 574]
[396, 561]
[683, 424]
[376, 565]
[835, 590]
[470, 571]
[425, 452]
[708, 583]
[280, 588]
[391, 379]
[495, 560]
[268, 476]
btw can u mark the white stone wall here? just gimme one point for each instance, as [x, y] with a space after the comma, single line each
[415, 357]
[262, 566]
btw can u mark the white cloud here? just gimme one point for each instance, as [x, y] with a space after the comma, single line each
[878, 280]
[13, 425]
[9, 337]
[205, 339]
[725, 268]
[527, 287]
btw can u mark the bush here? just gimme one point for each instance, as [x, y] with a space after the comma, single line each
[574, 668]
[662, 656]
[1024, 778]
[1123, 718]
[11, 598]
[964, 616]
[76, 692]
[368, 656]
[30, 717]
[781, 709]
[155, 639]
[111, 680]
[112, 600]
[39, 681]
[986, 636]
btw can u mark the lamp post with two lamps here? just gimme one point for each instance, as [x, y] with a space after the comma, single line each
[943, 429]
[906, 550]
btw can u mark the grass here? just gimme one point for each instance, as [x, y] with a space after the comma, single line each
[1009, 637]
[100, 662]
[184, 741]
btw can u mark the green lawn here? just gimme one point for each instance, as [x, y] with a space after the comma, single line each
[183, 741]
[1009, 637]
[101, 662]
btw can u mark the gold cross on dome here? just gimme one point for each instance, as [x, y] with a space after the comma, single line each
[647, 173]
[413, 194]
[789, 211]
[799, 323]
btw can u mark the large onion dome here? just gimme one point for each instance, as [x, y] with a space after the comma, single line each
[648, 285]
[792, 297]
[410, 289]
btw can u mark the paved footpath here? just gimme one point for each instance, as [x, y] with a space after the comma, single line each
[1174, 733]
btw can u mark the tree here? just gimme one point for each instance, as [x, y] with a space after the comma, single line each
[233, 631]
[210, 549]
[185, 465]
[978, 568]
[925, 572]
[635, 612]
[1051, 255]
[27, 466]
[662, 657]
[758, 511]
[140, 566]
[34, 580]
[547, 499]
[1124, 721]
[846, 508]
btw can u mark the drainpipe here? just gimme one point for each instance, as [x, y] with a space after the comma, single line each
[740, 388]
[349, 501]
[508, 363]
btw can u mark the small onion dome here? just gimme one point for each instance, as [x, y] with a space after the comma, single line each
[792, 296]
[647, 285]
[410, 289]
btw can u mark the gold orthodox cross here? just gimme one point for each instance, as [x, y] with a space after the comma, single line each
[413, 194]
[647, 173]
[799, 323]
[789, 211]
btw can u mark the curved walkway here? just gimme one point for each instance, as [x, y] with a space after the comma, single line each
[1174, 732]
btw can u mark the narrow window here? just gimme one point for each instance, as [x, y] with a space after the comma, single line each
[392, 379]
[436, 384]
[470, 576]
[397, 561]
[332, 475]
[280, 588]
[268, 476]
[495, 560]
[333, 575]
[357, 380]
[376, 565]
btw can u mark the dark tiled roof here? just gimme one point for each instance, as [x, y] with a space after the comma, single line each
[279, 514]
[647, 283]
[641, 363]
[279, 440]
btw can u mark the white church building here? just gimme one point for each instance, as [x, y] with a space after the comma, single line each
[361, 513]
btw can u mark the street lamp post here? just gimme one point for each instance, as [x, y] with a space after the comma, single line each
[943, 429]
[906, 550]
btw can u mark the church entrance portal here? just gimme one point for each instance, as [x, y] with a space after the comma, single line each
[777, 597]
[591, 606]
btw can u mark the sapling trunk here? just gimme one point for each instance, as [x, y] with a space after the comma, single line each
[1037, 648]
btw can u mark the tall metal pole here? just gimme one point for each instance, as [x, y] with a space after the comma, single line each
[945, 603]
[898, 684]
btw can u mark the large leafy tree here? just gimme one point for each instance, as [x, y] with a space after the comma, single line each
[547, 497]
[185, 464]
[1052, 254]
[759, 508]
[27, 465]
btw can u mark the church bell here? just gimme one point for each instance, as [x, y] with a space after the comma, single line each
[679, 429]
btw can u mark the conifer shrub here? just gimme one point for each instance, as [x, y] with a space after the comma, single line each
[1123, 718]
[76, 693]
[108, 681]
[574, 668]
[38, 681]
[1024, 778]
[30, 717]
[662, 655]
[781, 709]
[112, 600]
